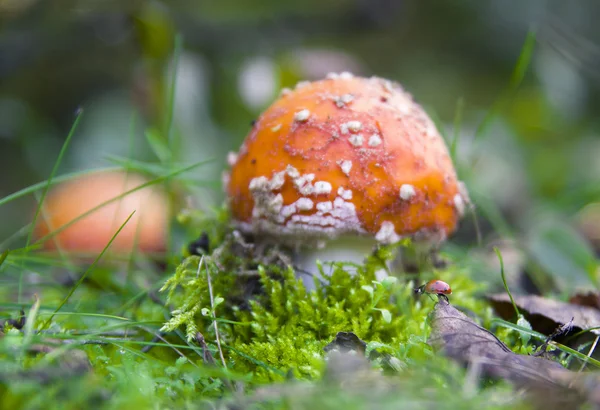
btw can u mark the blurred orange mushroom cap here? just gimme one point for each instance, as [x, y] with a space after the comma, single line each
[146, 230]
[345, 155]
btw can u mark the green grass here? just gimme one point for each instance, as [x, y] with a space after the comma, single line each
[140, 358]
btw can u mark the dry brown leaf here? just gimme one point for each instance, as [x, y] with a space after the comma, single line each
[546, 314]
[589, 299]
[465, 341]
[549, 385]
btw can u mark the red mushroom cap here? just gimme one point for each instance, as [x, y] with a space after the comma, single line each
[146, 230]
[345, 155]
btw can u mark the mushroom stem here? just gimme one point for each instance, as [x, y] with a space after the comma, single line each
[350, 249]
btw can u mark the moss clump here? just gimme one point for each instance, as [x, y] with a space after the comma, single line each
[270, 326]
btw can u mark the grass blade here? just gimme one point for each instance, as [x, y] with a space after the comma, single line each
[516, 79]
[33, 188]
[158, 145]
[504, 281]
[3, 257]
[87, 271]
[172, 89]
[537, 335]
[39, 208]
[57, 163]
[458, 117]
[29, 329]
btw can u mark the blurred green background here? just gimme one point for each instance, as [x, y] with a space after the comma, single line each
[513, 85]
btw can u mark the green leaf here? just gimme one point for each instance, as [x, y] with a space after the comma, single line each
[387, 316]
[525, 337]
[369, 289]
[181, 361]
[171, 370]
[388, 282]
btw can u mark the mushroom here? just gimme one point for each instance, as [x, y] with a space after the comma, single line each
[344, 161]
[87, 237]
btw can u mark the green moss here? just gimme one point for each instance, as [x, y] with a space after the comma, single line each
[271, 330]
[280, 328]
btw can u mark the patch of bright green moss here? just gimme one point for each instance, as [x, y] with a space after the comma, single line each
[283, 328]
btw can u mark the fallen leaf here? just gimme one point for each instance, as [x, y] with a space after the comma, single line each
[546, 314]
[589, 299]
[547, 383]
[465, 341]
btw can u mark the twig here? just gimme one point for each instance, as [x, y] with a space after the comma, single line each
[560, 330]
[212, 306]
[179, 352]
[298, 269]
[208, 359]
[206, 356]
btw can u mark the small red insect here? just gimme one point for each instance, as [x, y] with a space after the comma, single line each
[435, 287]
